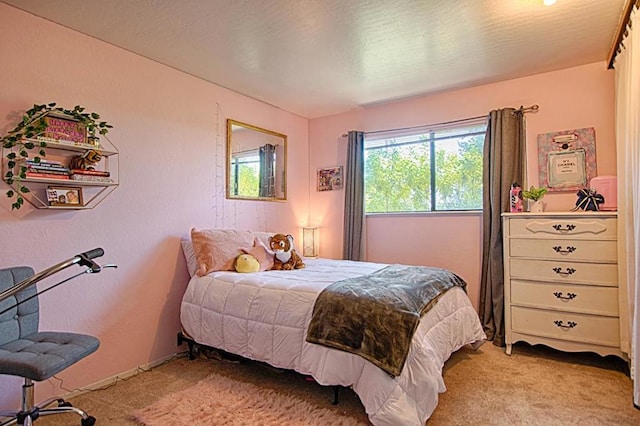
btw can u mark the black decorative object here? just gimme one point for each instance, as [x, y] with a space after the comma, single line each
[569, 296]
[569, 325]
[569, 227]
[569, 249]
[588, 199]
[559, 271]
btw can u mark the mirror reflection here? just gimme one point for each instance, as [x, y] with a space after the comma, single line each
[256, 162]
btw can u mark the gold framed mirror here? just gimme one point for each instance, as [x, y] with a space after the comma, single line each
[256, 163]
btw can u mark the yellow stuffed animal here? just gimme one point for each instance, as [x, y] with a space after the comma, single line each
[247, 263]
[285, 257]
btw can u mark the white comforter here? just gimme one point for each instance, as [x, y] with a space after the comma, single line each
[264, 316]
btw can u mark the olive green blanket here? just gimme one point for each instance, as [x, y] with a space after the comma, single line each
[376, 315]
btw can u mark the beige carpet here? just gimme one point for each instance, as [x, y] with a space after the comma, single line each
[534, 386]
[218, 400]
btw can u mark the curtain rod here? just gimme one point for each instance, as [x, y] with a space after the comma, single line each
[532, 108]
[344, 135]
[623, 28]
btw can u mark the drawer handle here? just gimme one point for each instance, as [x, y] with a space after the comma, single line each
[565, 327]
[569, 249]
[566, 273]
[569, 227]
[569, 296]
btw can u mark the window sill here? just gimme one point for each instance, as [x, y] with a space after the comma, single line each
[427, 214]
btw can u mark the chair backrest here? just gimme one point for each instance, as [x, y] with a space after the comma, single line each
[21, 320]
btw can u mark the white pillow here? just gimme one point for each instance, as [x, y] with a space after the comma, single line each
[189, 256]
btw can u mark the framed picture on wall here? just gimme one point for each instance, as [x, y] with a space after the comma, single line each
[567, 159]
[567, 169]
[63, 129]
[330, 178]
[64, 196]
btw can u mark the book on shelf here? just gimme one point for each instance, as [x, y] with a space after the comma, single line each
[46, 163]
[48, 171]
[91, 178]
[42, 164]
[90, 172]
[55, 169]
[45, 167]
[39, 175]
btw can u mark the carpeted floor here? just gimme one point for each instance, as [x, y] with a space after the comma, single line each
[221, 400]
[533, 386]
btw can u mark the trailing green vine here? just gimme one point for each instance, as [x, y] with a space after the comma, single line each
[23, 138]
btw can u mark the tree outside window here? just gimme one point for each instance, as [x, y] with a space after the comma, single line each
[425, 169]
[245, 176]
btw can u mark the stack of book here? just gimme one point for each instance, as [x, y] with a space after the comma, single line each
[46, 169]
[90, 175]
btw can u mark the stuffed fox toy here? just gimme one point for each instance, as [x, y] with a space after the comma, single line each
[285, 256]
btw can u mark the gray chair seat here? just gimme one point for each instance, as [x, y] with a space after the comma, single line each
[40, 355]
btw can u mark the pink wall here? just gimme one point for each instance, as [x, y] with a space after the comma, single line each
[170, 130]
[568, 99]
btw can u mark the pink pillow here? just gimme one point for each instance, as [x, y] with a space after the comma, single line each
[263, 236]
[217, 249]
[262, 253]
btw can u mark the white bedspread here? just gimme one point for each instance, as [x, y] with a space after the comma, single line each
[264, 316]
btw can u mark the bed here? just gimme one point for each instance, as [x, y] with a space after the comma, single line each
[264, 316]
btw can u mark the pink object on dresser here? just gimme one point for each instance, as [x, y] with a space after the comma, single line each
[608, 187]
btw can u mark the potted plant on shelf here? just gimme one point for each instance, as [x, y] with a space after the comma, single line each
[535, 195]
[19, 143]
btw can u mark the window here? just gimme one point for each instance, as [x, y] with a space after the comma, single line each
[431, 168]
[245, 173]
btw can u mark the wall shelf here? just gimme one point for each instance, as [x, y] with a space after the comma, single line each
[93, 192]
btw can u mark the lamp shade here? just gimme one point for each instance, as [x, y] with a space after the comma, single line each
[310, 242]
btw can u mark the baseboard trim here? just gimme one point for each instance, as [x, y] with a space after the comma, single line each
[121, 376]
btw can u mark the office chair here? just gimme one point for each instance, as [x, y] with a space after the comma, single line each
[38, 355]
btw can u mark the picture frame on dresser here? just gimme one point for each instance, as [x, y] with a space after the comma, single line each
[561, 281]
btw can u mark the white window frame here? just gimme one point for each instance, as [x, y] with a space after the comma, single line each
[430, 134]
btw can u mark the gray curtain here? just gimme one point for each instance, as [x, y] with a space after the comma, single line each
[354, 196]
[504, 156]
[267, 171]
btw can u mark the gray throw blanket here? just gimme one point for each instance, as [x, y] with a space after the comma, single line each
[376, 315]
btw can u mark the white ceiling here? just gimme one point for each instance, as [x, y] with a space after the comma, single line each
[321, 57]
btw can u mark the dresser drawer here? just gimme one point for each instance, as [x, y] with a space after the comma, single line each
[570, 272]
[566, 326]
[587, 299]
[564, 249]
[564, 226]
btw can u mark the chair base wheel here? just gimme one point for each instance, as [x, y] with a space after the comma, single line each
[89, 421]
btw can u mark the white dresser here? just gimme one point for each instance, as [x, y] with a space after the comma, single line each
[561, 281]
